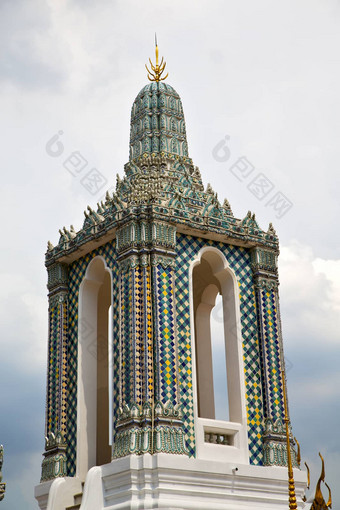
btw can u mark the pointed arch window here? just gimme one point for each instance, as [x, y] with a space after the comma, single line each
[219, 431]
[94, 396]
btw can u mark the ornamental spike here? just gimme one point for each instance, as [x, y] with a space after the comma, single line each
[158, 69]
[291, 483]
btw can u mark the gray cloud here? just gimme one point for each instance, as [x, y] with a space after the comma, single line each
[23, 28]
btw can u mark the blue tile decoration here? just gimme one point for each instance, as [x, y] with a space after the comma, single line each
[167, 345]
[267, 304]
[169, 316]
[148, 419]
[160, 194]
[54, 463]
[239, 261]
[76, 274]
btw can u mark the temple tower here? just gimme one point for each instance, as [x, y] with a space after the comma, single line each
[131, 416]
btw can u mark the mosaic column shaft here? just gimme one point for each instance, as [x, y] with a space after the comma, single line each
[54, 463]
[264, 266]
[166, 355]
[149, 418]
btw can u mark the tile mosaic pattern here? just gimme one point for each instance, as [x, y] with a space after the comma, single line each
[239, 261]
[148, 336]
[138, 310]
[269, 328]
[51, 405]
[76, 274]
[166, 335]
[127, 317]
[161, 132]
[138, 334]
[62, 369]
[57, 369]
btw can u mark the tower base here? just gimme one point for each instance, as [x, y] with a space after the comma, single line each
[174, 482]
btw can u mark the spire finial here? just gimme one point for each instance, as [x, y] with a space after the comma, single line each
[157, 70]
[291, 484]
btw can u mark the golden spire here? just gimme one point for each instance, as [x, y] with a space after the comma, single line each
[308, 475]
[291, 484]
[157, 70]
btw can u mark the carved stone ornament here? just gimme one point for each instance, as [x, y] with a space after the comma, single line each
[54, 464]
[57, 276]
[263, 260]
[149, 429]
[171, 187]
[275, 445]
[266, 283]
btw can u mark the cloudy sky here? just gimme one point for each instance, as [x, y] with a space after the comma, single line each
[261, 75]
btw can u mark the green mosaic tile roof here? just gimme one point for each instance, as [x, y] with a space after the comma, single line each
[157, 122]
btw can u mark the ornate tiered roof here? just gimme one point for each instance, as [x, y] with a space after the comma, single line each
[161, 178]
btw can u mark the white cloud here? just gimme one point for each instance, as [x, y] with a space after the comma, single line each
[310, 297]
[331, 270]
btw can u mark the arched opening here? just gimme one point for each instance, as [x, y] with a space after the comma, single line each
[94, 388]
[219, 361]
[218, 366]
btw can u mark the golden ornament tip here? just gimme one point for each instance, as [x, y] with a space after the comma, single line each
[308, 475]
[298, 457]
[319, 503]
[158, 69]
[291, 484]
